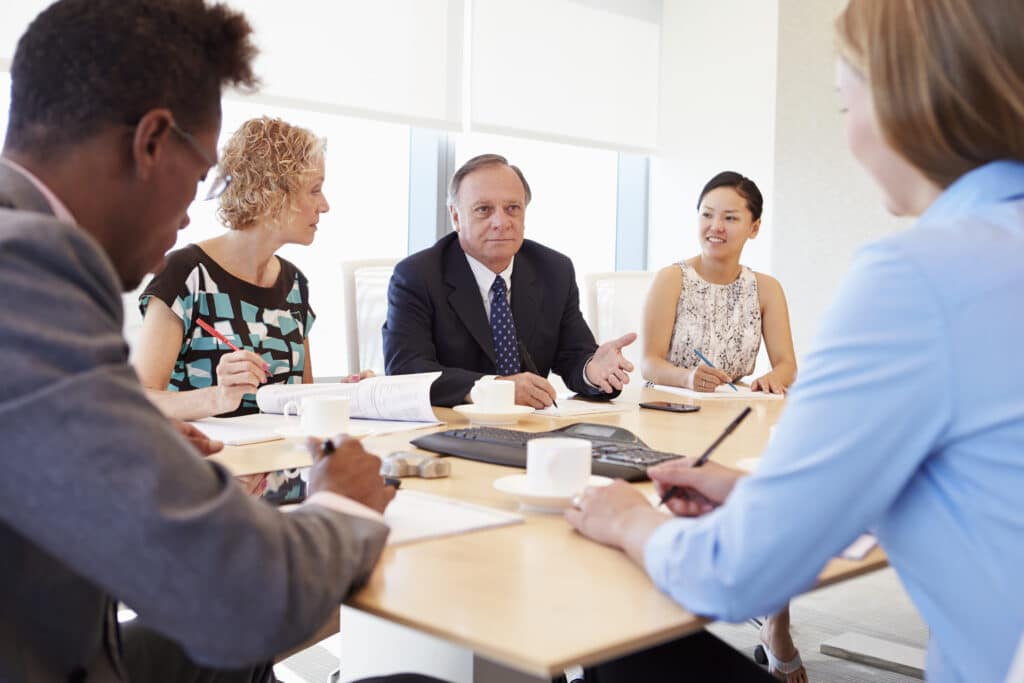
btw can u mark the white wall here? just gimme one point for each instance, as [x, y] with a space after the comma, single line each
[716, 113]
[825, 205]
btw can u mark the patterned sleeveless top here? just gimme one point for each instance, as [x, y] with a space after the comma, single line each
[271, 321]
[722, 321]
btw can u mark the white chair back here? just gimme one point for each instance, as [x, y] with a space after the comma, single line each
[615, 306]
[365, 287]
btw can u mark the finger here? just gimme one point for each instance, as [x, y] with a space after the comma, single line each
[548, 388]
[604, 386]
[615, 382]
[575, 517]
[625, 340]
[755, 385]
[722, 377]
[367, 374]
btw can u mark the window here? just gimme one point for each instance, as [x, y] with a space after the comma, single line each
[574, 195]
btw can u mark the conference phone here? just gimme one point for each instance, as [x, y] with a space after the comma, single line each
[617, 452]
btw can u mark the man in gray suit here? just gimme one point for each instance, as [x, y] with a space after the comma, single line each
[115, 113]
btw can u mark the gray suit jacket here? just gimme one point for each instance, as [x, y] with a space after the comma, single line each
[100, 496]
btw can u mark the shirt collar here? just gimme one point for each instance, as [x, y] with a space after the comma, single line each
[993, 183]
[485, 276]
[60, 211]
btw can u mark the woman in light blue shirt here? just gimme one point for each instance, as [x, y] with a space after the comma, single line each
[908, 417]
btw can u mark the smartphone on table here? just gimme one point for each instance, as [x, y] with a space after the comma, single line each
[670, 407]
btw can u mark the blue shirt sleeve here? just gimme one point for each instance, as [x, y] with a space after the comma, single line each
[861, 420]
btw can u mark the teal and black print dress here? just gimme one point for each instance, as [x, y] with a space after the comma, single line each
[271, 321]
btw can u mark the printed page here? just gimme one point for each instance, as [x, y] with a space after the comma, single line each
[724, 391]
[398, 397]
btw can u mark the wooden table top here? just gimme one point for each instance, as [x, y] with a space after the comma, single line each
[537, 596]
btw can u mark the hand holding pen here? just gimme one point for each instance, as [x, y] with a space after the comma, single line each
[345, 468]
[679, 484]
[707, 377]
[239, 372]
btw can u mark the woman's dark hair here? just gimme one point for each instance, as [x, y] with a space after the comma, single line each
[743, 185]
[85, 65]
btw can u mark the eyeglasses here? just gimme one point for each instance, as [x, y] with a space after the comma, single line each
[211, 187]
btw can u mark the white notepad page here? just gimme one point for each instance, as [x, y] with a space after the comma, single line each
[416, 516]
[723, 391]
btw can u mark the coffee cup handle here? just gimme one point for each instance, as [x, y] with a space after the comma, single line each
[289, 406]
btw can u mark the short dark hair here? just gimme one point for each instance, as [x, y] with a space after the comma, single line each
[479, 162]
[743, 185]
[85, 65]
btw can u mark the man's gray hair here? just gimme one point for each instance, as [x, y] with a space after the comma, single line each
[479, 162]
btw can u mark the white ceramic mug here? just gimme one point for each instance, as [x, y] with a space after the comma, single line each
[494, 395]
[320, 416]
[557, 466]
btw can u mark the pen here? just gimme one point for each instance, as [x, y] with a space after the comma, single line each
[209, 328]
[528, 362]
[327, 447]
[675, 490]
[710, 365]
[217, 335]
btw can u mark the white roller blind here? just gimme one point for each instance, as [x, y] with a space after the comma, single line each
[397, 60]
[566, 70]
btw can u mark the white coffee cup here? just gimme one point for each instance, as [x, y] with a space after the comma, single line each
[320, 416]
[557, 466]
[494, 395]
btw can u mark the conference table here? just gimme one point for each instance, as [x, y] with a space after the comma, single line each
[537, 597]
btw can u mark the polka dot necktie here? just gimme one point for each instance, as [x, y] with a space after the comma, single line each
[503, 330]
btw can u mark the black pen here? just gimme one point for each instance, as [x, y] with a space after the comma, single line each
[528, 362]
[328, 447]
[675, 490]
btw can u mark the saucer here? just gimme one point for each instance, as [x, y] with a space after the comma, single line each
[296, 436]
[479, 416]
[515, 485]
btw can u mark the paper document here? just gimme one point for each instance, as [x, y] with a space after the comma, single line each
[244, 429]
[250, 429]
[415, 516]
[397, 397]
[723, 391]
[574, 407]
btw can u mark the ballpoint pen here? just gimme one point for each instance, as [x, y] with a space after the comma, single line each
[528, 362]
[675, 490]
[327, 447]
[711, 365]
[220, 337]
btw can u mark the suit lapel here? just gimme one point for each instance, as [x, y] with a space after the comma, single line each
[464, 298]
[17, 192]
[526, 297]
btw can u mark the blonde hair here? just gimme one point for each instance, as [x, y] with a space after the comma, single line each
[269, 160]
[946, 78]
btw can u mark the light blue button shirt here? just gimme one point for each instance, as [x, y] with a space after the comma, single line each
[907, 418]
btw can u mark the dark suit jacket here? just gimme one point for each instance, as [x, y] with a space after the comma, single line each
[436, 319]
[101, 496]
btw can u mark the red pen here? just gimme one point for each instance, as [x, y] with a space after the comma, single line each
[209, 328]
[217, 335]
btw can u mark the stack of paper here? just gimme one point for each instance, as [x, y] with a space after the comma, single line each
[397, 397]
[574, 407]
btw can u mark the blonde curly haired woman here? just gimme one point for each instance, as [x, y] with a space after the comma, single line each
[236, 284]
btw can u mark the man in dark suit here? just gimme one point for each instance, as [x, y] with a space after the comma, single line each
[485, 301]
[115, 112]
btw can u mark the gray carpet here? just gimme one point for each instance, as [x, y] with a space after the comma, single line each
[875, 605]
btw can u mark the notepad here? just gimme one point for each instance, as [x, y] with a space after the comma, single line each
[249, 429]
[723, 391]
[570, 407]
[417, 516]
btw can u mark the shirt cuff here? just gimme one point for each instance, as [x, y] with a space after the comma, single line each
[344, 505]
[660, 550]
[585, 380]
